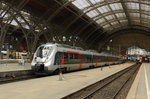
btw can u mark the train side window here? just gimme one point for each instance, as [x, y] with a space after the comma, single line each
[58, 58]
[87, 58]
[91, 58]
[99, 59]
[76, 56]
[66, 57]
[84, 58]
[102, 58]
[70, 56]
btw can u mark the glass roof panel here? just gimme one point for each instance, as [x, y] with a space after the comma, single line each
[110, 17]
[123, 22]
[106, 26]
[105, 13]
[133, 0]
[96, 1]
[120, 15]
[136, 22]
[14, 23]
[132, 5]
[81, 4]
[145, 22]
[116, 6]
[144, 16]
[145, 1]
[104, 9]
[92, 13]
[26, 26]
[133, 15]
[117, 26]
[115, 23]
[100, 21]
[145, 7]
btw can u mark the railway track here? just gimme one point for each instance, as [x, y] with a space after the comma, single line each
[113, 87]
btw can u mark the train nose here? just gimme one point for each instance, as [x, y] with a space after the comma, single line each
[40, 60]
[39, 67]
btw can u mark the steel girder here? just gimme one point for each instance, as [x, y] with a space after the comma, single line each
[90, 8]
[10, 19]
[4, 28]
[73, 12]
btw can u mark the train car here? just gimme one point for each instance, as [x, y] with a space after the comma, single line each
[50, 57]
[14, 55]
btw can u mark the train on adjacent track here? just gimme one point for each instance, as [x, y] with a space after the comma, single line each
[51, 57]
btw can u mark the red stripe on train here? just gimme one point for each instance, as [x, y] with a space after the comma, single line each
[96, 60]
[63, 59]
[73, 52]
[80, 65]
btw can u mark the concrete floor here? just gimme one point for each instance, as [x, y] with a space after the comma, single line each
[14, 67]
[51, 88]
[141, 86]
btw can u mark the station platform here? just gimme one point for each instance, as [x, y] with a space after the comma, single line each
[14, 67]
[141, 86]
[51, 87]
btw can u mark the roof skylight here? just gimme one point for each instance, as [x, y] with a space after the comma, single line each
[132, 5]
[113, 12]
[96, 1]
[92, 13]
[81, 4]
[104, 9]
[116, 6]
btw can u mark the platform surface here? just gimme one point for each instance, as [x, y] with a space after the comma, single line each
[51, 88]
[141, 86]
[14, 67]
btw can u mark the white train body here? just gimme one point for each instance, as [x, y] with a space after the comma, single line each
[50, 57]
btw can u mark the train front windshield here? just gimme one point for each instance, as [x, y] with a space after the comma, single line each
[44, 51]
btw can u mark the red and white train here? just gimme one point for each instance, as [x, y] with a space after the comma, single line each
[50, 57]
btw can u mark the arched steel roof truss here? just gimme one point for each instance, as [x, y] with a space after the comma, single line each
[112, 14]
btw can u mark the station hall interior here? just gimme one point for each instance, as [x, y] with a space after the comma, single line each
[109, 26]
[118, 29]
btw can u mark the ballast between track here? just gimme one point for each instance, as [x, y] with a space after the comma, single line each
[109, 87]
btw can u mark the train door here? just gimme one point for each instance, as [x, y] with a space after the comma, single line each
[81, 61]
[58, 58]
[96, 60]
[62, 59]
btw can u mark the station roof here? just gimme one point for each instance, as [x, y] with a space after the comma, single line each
[111, 14]
[99, 17]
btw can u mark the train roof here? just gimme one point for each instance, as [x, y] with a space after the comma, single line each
[64, 46]
[94, 52]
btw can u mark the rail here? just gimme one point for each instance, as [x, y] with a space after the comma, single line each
[108, 88]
